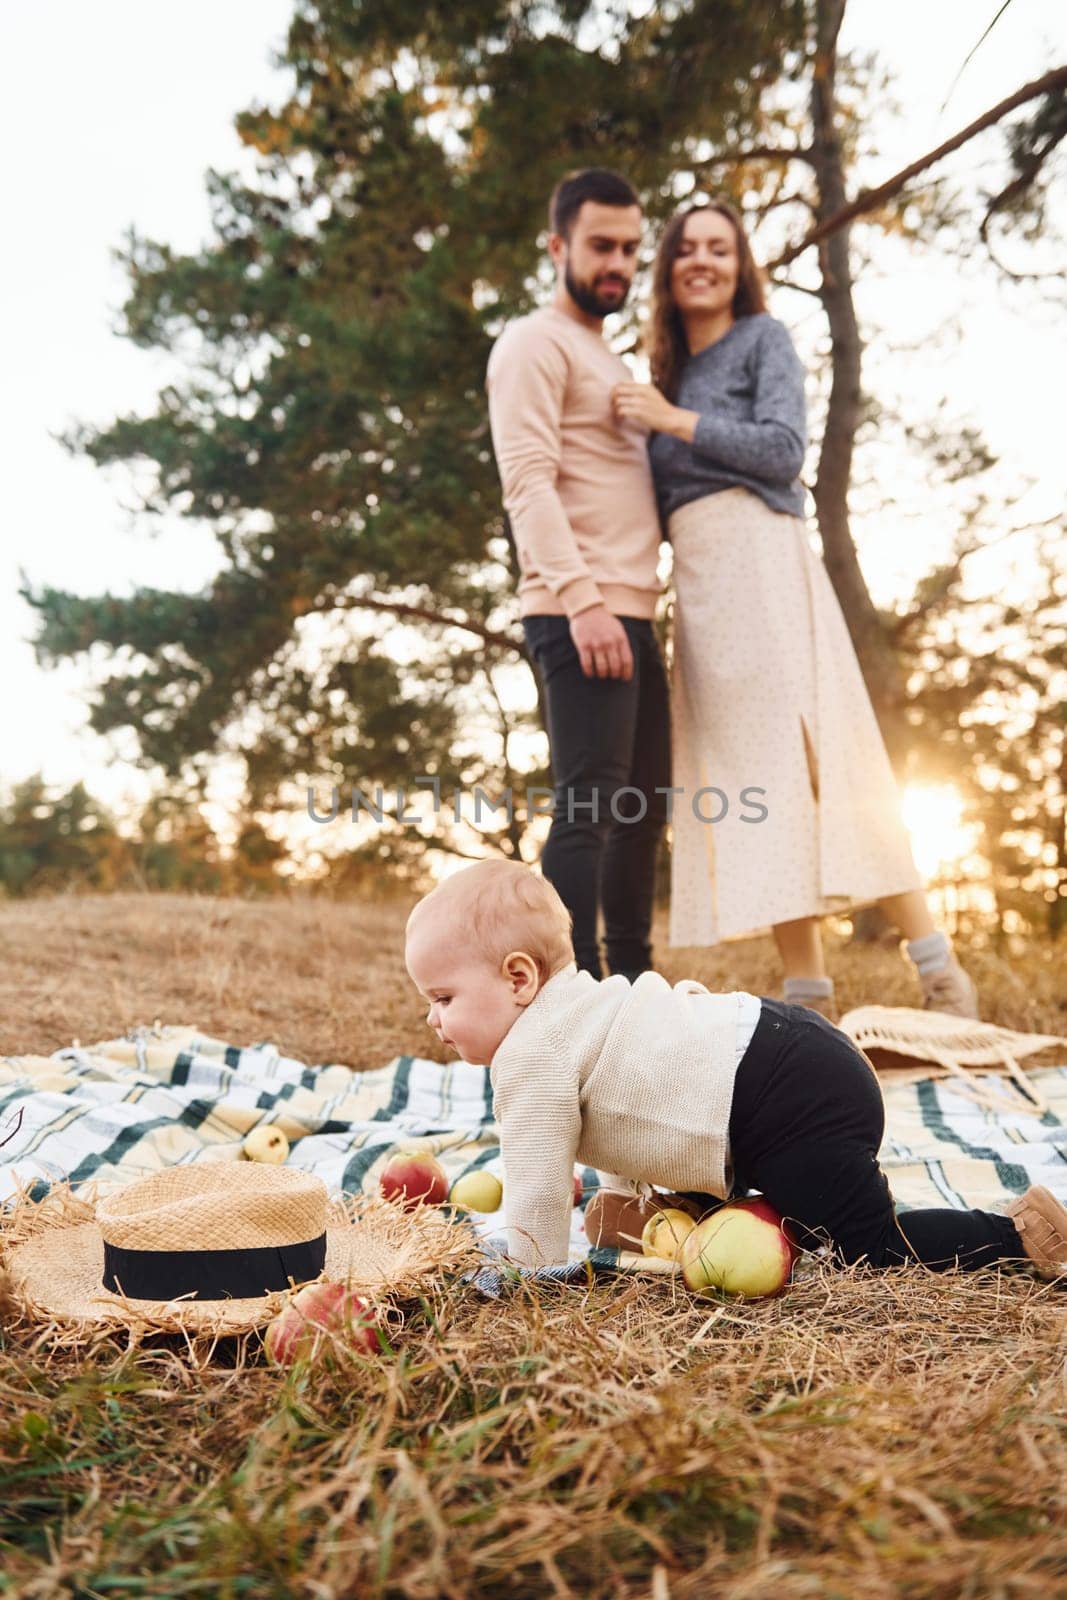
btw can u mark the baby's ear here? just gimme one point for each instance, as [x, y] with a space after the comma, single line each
[520, 969]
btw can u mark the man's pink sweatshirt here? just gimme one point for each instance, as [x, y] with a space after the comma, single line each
[577, 486]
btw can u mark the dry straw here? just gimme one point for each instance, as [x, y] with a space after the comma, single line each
[863, 1435]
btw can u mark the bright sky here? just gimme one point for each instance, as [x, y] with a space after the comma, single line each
[118, 109]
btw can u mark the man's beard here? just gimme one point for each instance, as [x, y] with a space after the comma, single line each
[585, 296]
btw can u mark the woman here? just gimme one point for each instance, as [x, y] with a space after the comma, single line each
[771, 719]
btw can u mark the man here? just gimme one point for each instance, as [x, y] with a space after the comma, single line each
[578, 490]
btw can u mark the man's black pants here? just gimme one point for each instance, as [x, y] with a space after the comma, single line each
[609, 744]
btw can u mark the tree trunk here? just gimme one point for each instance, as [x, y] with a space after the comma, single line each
[877, 660]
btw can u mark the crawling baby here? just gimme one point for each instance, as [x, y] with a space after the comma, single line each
[673, 1087]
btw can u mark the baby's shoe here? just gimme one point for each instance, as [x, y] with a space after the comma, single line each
[1042, 1225]
[616, 1219]
[949, 989]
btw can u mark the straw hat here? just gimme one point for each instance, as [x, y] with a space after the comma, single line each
[210, 1247]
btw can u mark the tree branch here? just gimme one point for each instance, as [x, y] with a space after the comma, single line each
[433, 842]
[446, 842]
[872, 198]
[754, 152]
[945, 578]
[1021, 277]
[776, 202]
[401, 608]
[1029, 164]
[799, 288]
[969, 57]
[906, 621]
[505, 722]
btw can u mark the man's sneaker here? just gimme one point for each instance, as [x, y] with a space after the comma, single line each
[615, 1219]
[949, 989]
[1042, 1225]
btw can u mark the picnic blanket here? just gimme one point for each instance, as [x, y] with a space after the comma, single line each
[115, 1111]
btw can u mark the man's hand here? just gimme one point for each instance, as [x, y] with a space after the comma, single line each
[602, 646]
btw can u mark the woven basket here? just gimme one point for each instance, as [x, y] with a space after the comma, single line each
[895, 1036]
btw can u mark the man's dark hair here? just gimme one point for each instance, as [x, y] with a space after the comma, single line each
[593, 183]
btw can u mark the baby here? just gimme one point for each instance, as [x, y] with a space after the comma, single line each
[707, 1094]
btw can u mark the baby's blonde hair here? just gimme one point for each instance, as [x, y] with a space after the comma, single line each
[504, 906]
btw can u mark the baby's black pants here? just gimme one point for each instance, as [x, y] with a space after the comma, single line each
[805, 1129]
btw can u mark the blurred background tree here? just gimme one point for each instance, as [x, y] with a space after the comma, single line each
[50, 841]
[53, 841]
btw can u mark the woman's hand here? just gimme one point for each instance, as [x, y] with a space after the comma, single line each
[643, 404]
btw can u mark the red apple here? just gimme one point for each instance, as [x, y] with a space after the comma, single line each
[316, 1313]
[579, 1187]
[740, 1249]
[414, 1178]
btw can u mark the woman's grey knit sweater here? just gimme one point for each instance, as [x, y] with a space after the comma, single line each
[749, 390]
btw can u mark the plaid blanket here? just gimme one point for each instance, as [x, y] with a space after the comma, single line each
[116, 1111]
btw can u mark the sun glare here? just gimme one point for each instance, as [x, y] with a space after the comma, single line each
[933, 816]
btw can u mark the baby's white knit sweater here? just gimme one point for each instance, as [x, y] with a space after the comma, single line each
[631, 1079]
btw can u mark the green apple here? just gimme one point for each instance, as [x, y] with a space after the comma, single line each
[266, 1143]
[477, 1191]
[665, 1232]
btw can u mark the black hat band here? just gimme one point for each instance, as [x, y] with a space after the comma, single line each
[211, 1274]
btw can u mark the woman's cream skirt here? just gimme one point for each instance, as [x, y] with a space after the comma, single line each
[771, 718]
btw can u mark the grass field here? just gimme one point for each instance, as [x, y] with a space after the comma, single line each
[861, 1436]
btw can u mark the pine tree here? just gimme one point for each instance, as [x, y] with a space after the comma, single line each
[332, 427]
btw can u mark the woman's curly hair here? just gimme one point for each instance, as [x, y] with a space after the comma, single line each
[668, 351]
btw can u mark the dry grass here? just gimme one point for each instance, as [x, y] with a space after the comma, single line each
[325, 980]
[862, 1436]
